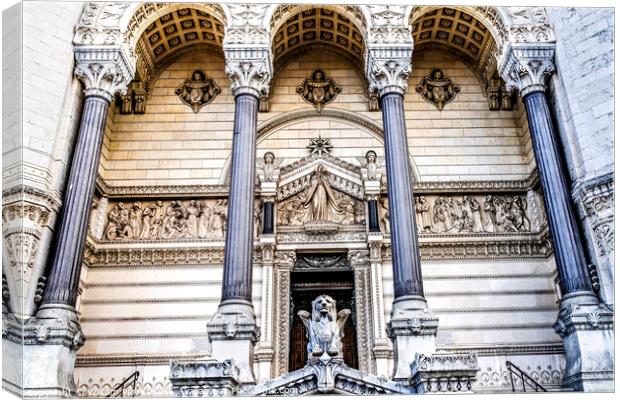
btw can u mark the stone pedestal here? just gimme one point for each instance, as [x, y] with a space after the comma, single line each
[444, 373]
[413, 329]
[233, 334]
[209, 378]
[47, 345]
[586, 328]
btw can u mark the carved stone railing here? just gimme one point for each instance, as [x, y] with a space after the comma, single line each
[444, 373]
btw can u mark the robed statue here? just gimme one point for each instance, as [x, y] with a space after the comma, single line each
[321, 198]
[437, 89]
[198, 91]
[318, 90]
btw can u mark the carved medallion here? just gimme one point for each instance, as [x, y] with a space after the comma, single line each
[197, 91]
[437, 89]
[318, 90]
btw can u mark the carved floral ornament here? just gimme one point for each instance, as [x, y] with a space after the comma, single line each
[318, 90]
[437, 89]
[197, 91]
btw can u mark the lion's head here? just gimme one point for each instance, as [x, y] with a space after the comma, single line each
[324, 305]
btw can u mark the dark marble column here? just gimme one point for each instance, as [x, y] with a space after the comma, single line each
[268, 217]
[568, 247]
[237, 284]
[64, 272]
[405, 251]
[373, 216]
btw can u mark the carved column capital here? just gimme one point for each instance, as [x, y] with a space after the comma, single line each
[388, 68]
[249, 70]
[527, 66]
[104, 70]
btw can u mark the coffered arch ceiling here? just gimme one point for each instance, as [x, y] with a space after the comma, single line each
[327, 28]
[457, 31]
[173, 32]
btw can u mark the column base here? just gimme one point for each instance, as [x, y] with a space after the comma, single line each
[208, 378]
[382, 353]
[264, 355]
[48, 347]
[442, 373]
[233, 333]
[586, 328]
[413, 330]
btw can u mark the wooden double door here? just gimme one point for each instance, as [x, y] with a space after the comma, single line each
[307, 286]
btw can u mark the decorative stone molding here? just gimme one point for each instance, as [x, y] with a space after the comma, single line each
[526, 67]
[331, 376]
[100, 24]
[444, 373]
[529, 25]
[103, 70]
[388, 69]
[595, 201]
[51, 327]
[388, 24]
[246, 24]
[209, 378]
[318, 90]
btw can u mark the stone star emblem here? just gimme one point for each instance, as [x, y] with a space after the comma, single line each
[319, 146]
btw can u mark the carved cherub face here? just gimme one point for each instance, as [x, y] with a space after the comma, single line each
[371, 157]
[323, 306]
[269, 157]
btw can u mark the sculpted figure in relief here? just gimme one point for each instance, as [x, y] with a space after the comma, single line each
[198, 91]
[423, 215]
[269, 166]
[385, 219]
[324, 328]
[318, 90]
[321, 199]
[437, 89]
[371, 165]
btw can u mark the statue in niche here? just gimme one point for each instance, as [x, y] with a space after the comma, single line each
[324, 328]
[385, 219]
[321, 199]
[318, 90]
[423, 217]
[437, 89]
[198, 91]
[258, 210]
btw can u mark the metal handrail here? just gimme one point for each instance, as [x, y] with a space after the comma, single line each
[525, 378]
[119, 390]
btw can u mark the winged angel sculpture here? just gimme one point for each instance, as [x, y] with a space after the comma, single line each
[324, 328]
[371, 165]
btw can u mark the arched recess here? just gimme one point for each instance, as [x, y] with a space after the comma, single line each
[357, 121]
[159, 33]
[473, 34]
[339, 30]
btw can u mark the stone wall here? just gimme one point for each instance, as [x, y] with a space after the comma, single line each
[170, 144]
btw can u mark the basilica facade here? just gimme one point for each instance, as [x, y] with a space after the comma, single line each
[204, 199]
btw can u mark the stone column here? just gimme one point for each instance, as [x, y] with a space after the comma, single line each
[52, 338]
[412, 327]
[233, 330]
[584, 325]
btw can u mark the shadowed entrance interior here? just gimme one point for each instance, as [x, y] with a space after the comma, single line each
[307, 285]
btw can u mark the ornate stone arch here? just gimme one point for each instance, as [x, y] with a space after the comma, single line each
[292, 117]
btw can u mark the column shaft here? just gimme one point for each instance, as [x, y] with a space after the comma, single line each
[237, 284]
[373, 216]
[268, 217]
[569, 253]
[64, 272]
[405, 251]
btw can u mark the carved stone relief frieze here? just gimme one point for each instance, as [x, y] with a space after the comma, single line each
[165, 220]
[469, 214]
[437, 89]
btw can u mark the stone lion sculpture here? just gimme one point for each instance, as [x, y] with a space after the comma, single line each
[324, 328]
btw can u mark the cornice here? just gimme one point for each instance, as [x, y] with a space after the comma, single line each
[204, 191]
